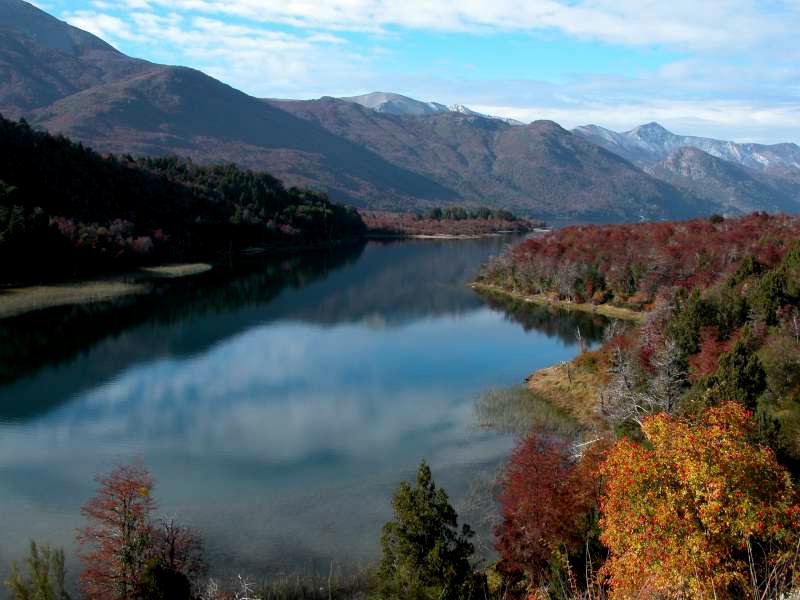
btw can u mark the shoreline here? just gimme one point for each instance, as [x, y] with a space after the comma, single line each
[567, 385]
[441, 236]
[605, 310]
[571, 389]
[21, 300]
[17, 300]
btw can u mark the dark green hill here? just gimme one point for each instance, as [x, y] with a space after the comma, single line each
[64, 209]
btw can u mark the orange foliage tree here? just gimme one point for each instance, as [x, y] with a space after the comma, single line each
[689, 514]
[116, 545]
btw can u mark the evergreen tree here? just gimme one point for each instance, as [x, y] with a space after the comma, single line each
[693, 312]
[45, 580]
[768, 295]
[425, 556]
[740, 376]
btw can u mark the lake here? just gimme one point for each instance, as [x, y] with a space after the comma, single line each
[277, 407]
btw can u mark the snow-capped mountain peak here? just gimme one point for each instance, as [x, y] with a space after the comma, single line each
[652, 132]
[397, 104]
[650, 143]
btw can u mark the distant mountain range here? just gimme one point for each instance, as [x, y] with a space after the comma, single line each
[379, 150]
[650, 143]
[739, 177]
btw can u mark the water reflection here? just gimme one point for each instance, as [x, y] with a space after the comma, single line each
[278, 409]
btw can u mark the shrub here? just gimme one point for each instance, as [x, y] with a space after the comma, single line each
[159, 582]
[706, 361]
[680, 515]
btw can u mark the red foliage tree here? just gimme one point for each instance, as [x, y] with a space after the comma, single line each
[546, 498]
[121, 540]
[706, 361]
[116, 544]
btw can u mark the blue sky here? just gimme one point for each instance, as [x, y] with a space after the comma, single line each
[723, 68]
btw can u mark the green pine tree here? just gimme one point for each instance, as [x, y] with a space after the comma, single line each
[45, 580]
[425, 556]
[740, 376]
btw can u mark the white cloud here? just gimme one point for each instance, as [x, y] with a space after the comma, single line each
[105, 26]
[259, 59]
[714, 119]
[680, 23]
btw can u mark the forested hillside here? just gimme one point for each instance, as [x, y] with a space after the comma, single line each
[633, 263]
[696, 411]
[66, 210]
[451, 221]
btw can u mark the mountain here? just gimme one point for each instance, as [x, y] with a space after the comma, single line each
[539, 168]
[738, 189]
[181, 111]
[43, 59]
[740, 177]
[71, 82]
[396, 104]
[68, 81]
[651, 143]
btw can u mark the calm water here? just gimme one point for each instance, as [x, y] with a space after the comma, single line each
[277, 409]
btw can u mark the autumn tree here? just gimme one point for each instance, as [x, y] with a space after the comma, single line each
[688, 514]
[425, 554]
[547, 500]
[117, 543]
[122, 543]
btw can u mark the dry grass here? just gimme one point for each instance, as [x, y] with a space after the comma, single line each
[573, 389]
[516, 410]
[18, 301]
[172, 271]
[606, 310]
[304, 586]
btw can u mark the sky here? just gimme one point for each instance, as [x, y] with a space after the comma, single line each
[721, 68]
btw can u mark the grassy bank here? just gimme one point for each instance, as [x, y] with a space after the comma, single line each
[20, 300]
[572, 388]
[606, 310]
